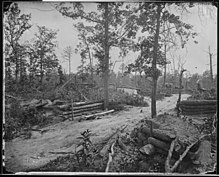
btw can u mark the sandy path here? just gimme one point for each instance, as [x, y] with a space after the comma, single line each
[22, 155]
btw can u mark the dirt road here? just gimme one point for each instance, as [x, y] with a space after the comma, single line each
[22, 155]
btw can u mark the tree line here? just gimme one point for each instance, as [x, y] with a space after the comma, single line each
[150, 30]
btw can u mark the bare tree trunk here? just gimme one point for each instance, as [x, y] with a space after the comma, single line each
[69, 64]
[154, 65]
[165, 66]
[180, 90]
[106, 58]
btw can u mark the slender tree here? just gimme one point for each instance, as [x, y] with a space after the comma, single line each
[107, 32]
[67, 54]
[44, 50]
[15, 24]
[151, 19]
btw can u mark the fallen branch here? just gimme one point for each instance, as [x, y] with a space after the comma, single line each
[61, 152]
[111, 154]
[9, 96]
[169, 169]
[112, 139]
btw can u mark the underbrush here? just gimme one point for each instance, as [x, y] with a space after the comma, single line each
[206, 95]
[128, 99]
[17, 119]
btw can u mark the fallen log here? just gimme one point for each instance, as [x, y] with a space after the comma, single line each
[198, 102]
[76, 104]
[159, 134]
[58, 102]
[87, 106]
[113, 139]
[198, 113]
[198, 106]
[161, 146]
[85, 113]
[99, 114]
[198, 109]
[158, 143]
[148, 149]
[82, 110]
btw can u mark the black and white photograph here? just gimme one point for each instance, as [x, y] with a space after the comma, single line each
[110, 87]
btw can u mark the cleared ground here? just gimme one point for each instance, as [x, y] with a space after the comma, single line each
[25, 154]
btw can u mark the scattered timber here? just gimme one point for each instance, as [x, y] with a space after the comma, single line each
[159, 134]
[197, 107]
[112, 140]
[198, 102]
[99, 114]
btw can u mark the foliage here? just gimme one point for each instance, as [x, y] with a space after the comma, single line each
[18, 118]
[15, 24]
[42, 53]
[129, 99]
[85, 153]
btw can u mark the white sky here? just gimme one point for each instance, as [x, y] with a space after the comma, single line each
[195, 56]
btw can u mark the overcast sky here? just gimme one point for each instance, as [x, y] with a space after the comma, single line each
[204, 20]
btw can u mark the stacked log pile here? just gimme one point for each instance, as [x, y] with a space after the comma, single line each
[173, 144]
[198, 107]
[87, 110]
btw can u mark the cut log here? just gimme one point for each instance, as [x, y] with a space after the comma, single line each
[148, 149]
[85, 113]
[99, 114]
[78, 104]
[159, 134]
[159, 144]
[58, 102]
[82, 110]
[198, 102]
[198, 113]
[199, 106]
[200, 110]
[87, 106]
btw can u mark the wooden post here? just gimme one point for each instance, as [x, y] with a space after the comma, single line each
[72, 109]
